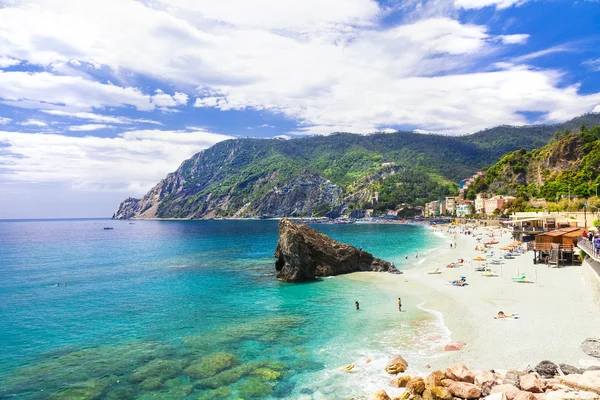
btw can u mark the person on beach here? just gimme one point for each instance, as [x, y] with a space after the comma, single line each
[399, 304]
[406, 256]
[417, 255]
[450, 245]
[357, 305]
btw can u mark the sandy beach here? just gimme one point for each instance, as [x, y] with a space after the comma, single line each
[556, 312]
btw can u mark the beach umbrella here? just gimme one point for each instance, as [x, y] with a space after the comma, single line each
[479, 258]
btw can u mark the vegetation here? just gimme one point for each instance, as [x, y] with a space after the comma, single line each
[233, 176]
[565, 172]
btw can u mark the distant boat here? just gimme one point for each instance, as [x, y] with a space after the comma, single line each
[108, 228]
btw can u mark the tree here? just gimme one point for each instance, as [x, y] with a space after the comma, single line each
[497, 212]
[321, 210]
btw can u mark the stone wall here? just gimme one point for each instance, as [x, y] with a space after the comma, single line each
[591, 273]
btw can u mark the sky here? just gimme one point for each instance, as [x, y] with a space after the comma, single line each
[100, 99]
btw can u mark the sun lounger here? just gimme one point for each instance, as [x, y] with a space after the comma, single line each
[521, 279]
[435, 271]
[490, 274]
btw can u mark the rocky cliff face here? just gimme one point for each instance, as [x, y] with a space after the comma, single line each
[303, 254]
[299, 197]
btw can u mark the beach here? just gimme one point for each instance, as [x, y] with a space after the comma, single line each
[556, 312]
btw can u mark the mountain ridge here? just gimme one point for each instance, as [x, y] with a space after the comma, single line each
[235, 178]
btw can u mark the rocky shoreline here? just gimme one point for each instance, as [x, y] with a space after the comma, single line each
[547, 381]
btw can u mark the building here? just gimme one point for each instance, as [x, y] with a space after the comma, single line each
[442, 208]
[496, 202]
[432, 208]
[463, 208]
[480, 203]
[451, 204]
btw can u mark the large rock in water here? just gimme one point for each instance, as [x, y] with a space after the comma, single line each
[304, 254]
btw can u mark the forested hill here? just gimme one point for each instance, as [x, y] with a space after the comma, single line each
[570, 163]
[339, 172]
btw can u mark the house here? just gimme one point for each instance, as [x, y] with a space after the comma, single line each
[463, 208]
[451, 204]
[496, 202]
[480, 203]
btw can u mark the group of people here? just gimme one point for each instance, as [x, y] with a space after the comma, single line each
[594, 239]
[357, 304]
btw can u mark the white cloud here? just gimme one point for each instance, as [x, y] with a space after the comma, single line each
[593, 64]
[89, 127]
[133, 161]
[101, 118]
[33, 122]
[326, 64]
[6, 62]
[44, 90]
[499, 4]
[4, 120]
[285, 15]
[514, 39]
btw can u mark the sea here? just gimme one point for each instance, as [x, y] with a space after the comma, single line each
[193, 310]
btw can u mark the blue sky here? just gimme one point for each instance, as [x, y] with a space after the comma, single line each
[99, 100]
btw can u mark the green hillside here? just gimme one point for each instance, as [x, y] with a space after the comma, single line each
[569, 164]
[342, 171]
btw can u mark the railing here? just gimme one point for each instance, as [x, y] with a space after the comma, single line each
[588, 246]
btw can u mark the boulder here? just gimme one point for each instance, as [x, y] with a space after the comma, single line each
[459, 372]
[465, 390]
[494, 396]
[437, 393]
[416, 385]
[547, 369]
[400, 380]
[588, 381]
[591, 347]
[396, 365]
[447, 382]
[485, 378]
[380, 395]
[434, 379]
[522, 395]
[509, 391]
[513, 376]
[531, 383]
[304, 254]
[404, 396]
[569, 369]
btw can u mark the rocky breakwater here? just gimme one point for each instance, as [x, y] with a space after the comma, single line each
[304, 254]
[547, 381]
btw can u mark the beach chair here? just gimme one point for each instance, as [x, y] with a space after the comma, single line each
[435, 272]
[490, 274]
[521, 279]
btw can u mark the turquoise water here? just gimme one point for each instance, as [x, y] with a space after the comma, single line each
[192, 309]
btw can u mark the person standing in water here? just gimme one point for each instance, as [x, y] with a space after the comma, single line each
[399, 304]
[417, 255]
[357, 305]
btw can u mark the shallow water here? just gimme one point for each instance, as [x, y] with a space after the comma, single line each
[192, 309]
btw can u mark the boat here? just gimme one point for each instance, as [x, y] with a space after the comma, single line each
[106, 228]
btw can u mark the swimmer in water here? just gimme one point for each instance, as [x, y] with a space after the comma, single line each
[357, 305]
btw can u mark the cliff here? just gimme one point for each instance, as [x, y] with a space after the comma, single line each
[570, 163]
[304, 254]
[331, 174]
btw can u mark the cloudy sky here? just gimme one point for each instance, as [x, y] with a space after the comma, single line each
[99, 99]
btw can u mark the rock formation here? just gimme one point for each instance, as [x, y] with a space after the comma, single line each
[303, 254]
[458, 382]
